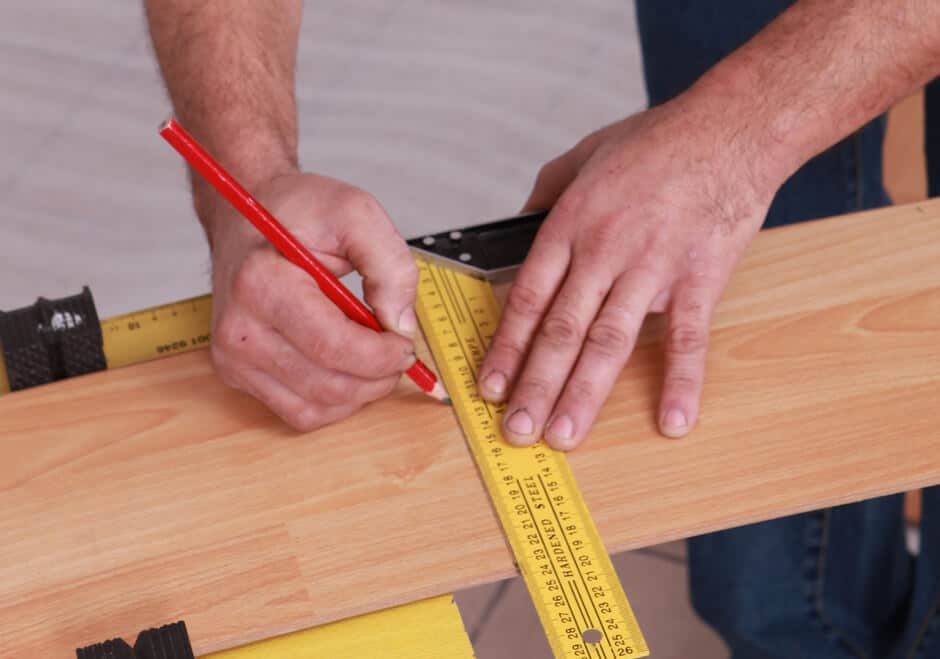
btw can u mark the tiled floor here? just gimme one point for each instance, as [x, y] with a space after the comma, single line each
[503, 624]
[444, 109]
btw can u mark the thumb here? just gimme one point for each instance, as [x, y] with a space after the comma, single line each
[389, 273]
[552, 180]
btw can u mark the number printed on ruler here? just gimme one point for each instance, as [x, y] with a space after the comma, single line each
[568, 572]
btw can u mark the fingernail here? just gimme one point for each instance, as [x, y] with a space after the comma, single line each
[675, 423]
[408, 322]
[560, 431]
[520, 423]
[494, 385]
[408, 360]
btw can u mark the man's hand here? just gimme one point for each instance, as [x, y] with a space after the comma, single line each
[276, 336]
[229, 69]
[648, 215]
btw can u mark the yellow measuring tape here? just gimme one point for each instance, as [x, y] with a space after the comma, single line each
[157, 332]
[573, 585]
[150, 333]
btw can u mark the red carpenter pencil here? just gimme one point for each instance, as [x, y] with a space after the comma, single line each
[292, 249]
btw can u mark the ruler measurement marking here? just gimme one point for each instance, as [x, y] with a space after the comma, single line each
[451, 283]
[458, 313]
[450, 294]
[600, 620]
[460, 345]
[576, 596]
[473, 320]
[548, 559]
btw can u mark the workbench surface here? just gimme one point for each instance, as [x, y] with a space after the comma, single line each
[153, 493]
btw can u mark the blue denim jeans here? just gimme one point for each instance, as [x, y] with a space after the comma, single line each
[836, 583]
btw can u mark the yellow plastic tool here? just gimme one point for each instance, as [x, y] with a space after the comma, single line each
[567, 570]
[427, 629]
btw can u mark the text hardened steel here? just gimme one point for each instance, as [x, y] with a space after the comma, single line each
[573, 585]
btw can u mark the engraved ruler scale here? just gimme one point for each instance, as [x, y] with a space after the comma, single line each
[557, 548]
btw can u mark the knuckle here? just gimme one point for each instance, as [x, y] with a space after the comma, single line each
[335, 393]
[570, 202]
[322, 349]
[537, 388]
[605, 237]
[683, 381]
[609, 339]
[385, 361]
[380, 389]
[524, 300]
[686, 339]
[358, 203]
[507, 349]
[408, 269]
[691, 306]
[293, 373]
[580, 391]
[561, 329]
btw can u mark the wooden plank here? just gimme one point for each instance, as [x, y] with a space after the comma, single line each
[143, 495]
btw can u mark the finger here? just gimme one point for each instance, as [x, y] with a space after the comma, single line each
[555, 349]
[273, 354]
[607, 347]
[389, 273]
[285, 298]
[552, 180]
[529, 298]
[296, 412]
[686, 348]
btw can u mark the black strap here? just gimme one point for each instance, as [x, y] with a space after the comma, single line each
[52, 340]
[167, 642]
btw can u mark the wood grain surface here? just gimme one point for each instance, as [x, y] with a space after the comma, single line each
[153, 493]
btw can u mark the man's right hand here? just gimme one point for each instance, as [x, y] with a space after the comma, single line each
[276, 336]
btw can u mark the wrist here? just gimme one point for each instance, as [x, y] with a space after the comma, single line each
[760, 139]
[214, 212]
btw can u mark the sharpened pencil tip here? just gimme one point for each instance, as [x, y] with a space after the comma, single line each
[440, 393]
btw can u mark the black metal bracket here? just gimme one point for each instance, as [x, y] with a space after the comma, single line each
[491, 251]
[167, 642]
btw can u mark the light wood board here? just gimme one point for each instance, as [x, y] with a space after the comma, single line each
[153, 493]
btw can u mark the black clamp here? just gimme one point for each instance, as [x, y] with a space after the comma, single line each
[167, 642]
[491, 251]
[52, 340]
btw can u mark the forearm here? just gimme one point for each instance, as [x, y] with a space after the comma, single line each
[229, 70]
[819, 72]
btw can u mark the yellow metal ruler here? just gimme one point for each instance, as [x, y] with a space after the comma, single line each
[558, 550]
